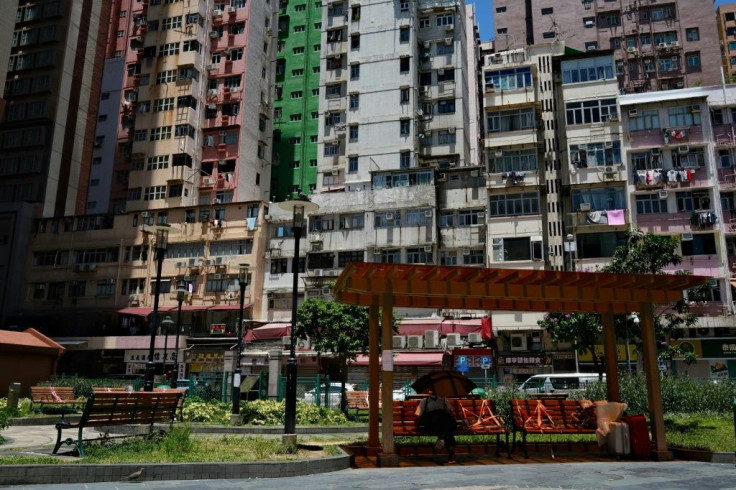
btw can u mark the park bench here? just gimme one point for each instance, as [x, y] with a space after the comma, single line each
[551, 416]
[113, 408]
[58, 396]
[180, 408]
[474, 416]
[357, 402]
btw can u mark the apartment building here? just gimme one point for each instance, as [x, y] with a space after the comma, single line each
[657, 45]
[394, 108]
[296, 103]
[726, 18]
[47, 131]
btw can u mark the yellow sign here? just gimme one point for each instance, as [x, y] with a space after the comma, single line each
[620, 349]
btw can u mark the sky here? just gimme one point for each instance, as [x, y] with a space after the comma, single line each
[484, 12]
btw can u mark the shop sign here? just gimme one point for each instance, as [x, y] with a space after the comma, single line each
[620, 352]
[535, 360]
[473, 358]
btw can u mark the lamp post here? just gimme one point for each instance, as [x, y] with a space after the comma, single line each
[634, 318]
[570, 247]
[243, 283]
[162, 242]
[166, 324]
[298, 209]
[180, 295]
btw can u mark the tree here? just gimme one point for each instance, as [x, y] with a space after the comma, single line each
[642, 254]
[338, 328]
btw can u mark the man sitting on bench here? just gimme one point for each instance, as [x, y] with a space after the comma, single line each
[435, 415]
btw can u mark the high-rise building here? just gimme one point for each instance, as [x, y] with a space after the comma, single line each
[296, 104]
[657, 45]
[47, 131]
[726, 18]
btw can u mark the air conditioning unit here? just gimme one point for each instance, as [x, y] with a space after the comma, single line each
[431, 339]
[440, 71]
[145, 214]
[217, 13]
[683, 150]
[633, 113]
[475, 338]
[428, 213]
[656, 152]
[414, 341]
[211, 67]
[427, 44]
[302, 344]
[608, 170]
[448, 40]
[212, 92]
[449, 27]
[674, 44]
[451, 130]
[399, 342]
[219, 261]
[518, 342]
[453, 340]
[214, 34]
[490, 87]
[212, 106]
[613, 117]
[133, 298]
[389, 216]
[335, 171]
[234, 90]
[631, 50]
[481, 216]
[319, 272]
[179, 265]
[694, 108]
[208, 181]
[441, 177]
[686, 237]
[466, 251]
[608, 145]
[217, 277]
[663, 194]
[232, 10]
[584, 207]
[286, 341]
[589, 23]
[661, 45]
[193, 263]
[428, 248]
[230, 295]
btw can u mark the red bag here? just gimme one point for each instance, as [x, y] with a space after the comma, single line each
[641, 446]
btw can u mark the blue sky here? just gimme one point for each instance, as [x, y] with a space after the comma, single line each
[484, 11]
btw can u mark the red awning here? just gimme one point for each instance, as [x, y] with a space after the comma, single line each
[407, 359]
[136, 311]
[228, 307]
[419, 326]
[463, 327]
[188, 308]
[268, 331]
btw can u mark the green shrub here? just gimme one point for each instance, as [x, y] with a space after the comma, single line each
[267, 412]
[198, 410]
[4, 416]
[179, 441]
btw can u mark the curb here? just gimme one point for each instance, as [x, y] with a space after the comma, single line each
[85, 473]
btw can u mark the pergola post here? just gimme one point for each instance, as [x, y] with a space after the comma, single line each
[654, 392]
[388, 456]
[611, 356]
[374, 380]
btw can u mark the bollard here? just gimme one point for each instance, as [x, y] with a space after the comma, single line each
[13, 395]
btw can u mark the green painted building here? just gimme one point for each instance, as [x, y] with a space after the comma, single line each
[296, 104]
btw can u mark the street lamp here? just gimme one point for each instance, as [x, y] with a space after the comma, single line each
[634, 318]
[167, 322]
[570, 247]
[180, 295]
[162, 243]
[298, 209]
[243, 282]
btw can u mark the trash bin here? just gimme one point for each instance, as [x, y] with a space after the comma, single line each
[13, 396]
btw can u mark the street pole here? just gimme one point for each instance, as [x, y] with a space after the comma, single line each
[180, 292]
[237, 372]
[162, 237]
[290, 416]
[166, 323]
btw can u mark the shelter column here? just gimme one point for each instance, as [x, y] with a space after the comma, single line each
[651, 371]
[609, 348]
[374, 380]
[388, 456]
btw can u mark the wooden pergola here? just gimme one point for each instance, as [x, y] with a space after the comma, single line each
[382, 287]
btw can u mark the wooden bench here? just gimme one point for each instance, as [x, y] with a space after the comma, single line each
[60, 396]
[551, 416]
[112, 408]
[474, 417]
[358, 402]
[180, 408]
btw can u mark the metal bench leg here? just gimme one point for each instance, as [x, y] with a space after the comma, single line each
[526, 452]
[508, 448]
[58, 440]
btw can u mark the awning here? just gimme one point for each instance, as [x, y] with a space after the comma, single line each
[407, 359]
[419, 326]
[268, 331]
[228, 307]
[136, 311]
[187, 308]
[463, 327]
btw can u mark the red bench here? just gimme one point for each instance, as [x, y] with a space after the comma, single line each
[551, 416]
[474, 417]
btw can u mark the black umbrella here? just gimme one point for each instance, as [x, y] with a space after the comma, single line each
[444, 383]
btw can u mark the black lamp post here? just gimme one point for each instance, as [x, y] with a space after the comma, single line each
[166, 324]
[290, 415]
[243, 283]
[180, 295]
[162, 242]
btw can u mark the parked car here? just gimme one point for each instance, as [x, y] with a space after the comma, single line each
[559, 383]
[310, 396]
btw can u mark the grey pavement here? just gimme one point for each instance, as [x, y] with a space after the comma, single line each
[613, 475]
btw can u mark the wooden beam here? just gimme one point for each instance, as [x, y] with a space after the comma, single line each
[387, 414]
[374, 381]
[611, 358]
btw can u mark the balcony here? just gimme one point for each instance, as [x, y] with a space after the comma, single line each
[599, 220]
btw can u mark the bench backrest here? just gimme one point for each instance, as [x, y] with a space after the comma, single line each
[357, 399]
[568, 413]
[52, 394]
[405, 410]
[117, 408]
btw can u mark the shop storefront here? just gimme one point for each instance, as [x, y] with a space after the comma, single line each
[716, 358]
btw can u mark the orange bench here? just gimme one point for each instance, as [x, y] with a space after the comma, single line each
[551, 416]
[474, 417]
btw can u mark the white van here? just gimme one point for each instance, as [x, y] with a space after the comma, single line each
[558, 383]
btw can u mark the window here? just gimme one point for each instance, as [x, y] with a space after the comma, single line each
[446, 137]
[446, 106]
[445, 20]
[424, 22]
[298, 29]
[693, 60]
[511, 120]
[509, 79]
[352, 165]
[404, 35]
[354, 71]
[522, 248]
[353, 132]
[608, 198]
[548, 11]
[354, 101]
[355, 41]
[166, 104]
[297, 94]
[692, 34]
[650, 204]
[701, 244]
[548, 35]
[405, 127]
[645, 119]
[404, 95]
[682, 116]
[405, 159]
[168, 49]
[587, 70]
[155, 192]
[512, 161]
[590, 111]
[160, 133]
[445, 75]
[517, 204]
[158, 162]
